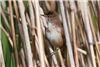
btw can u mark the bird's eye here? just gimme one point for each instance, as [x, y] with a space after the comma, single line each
[48, 16]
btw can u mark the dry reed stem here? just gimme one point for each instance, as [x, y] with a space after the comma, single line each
[20, 28]
[98, 15]
[31, 12]
[92, 55]
[7, 34]
[89, 59]
[53, 56]
[81, 30]
[61, 58]
[68, 43]
[19, 23]
[42, 19]
[31, 22]
[67, 4]
[13, 35]
[5, 19]
[52, 63]
[52, 5]
[22, 57]
[33, 47]
[16, 11]
[40, 35]
[41, 13]
[38, 51]
[37, 48]
[94, 35]
[28, 20]
[32, 28]
[82, 51]
[85, 42]
[36, 39]
[13, 15]
[47, 5]
[91, 7]
[69, 23]
[94, 9]
[25, 30]
[97, 59]
[73, 7]
[43, 24]
[2, 63]
[88, 29]
[68, 61]
[3, 3]
[87, 45]
[43, 28]
[74, 39]
[82, 59]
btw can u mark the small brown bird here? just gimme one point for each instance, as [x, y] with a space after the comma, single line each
[54, 32]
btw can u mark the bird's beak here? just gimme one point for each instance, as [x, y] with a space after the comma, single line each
[44, 16]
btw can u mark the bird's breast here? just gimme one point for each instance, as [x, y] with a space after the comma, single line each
[53, 27]
[54, 36]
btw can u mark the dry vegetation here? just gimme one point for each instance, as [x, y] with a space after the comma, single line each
[23, 42]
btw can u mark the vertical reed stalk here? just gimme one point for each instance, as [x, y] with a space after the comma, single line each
[61, 58]
[20, 28]
[88, 29]
[98, 16]
[82, 59]
[33, 29]
[13, 35]
[40, 35]
[68, 43]
[53, 56]
[74, 38]
[93, 32]
[25, 30]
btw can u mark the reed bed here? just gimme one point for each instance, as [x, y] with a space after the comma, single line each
[23, 40]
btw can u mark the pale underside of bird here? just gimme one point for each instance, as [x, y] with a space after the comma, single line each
[54, 35]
